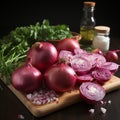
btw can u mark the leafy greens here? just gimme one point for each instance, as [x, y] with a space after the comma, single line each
[14, 46]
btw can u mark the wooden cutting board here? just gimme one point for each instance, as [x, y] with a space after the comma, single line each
[65, 99]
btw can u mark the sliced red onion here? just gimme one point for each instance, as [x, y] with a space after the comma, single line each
[101, 75]
[84, 78]
[95, 59]
[42, 96]
[91, 92]
[113, 67]
[80, 65]
[79, 51]
[65, 55]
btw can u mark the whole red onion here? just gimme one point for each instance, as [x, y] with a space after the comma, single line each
[26, 78]
[68, 44]
[60, 77]
[112, 55]
[42, 55]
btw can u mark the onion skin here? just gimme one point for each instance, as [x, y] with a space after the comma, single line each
[26, 78]
[42, 55]
[68, 44]
[98, 51]
[111, 56]
[60, 78]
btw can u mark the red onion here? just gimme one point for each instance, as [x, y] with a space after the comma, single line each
[91, 92]
[84, 78]
[95, 59]
[111, 66]
[42, 55]
[67, 44]
[43, 96]
[79, 51]
[112, 55]
[60, 77]
[66, 56]
[26, 78]
[98, 51]
[80, 65]
[101, 75]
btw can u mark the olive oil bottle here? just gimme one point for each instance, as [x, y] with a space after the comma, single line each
[87, 23]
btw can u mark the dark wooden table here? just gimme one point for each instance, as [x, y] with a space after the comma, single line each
[11, 108]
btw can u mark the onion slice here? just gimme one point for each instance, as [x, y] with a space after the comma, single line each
[84, 78]
[66, 56]
[101, 75]
[80, 65]
[91, 92]
[113, 67]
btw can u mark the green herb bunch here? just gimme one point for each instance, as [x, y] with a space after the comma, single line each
[14, 46]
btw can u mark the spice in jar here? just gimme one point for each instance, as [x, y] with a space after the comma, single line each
[102, 39]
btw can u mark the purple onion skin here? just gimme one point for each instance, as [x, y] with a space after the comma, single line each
[60, 77]
[42, 55]
[26, 79]
[68, 44]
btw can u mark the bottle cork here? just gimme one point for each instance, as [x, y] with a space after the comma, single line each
[89, 3]
[102, 29]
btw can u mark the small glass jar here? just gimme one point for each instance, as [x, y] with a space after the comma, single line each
[102, 39]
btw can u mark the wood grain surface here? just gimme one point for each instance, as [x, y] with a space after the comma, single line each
[66, 99]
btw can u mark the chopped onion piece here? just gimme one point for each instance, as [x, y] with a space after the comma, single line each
[92, 110]
[109, 101]
[42, 96]
[103, 110]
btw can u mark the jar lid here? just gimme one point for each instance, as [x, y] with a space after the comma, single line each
[102, 29]
[89, 3]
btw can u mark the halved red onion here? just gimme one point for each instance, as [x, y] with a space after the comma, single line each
[84, 78]
[101, 74]
[91, 92]
[80, 65]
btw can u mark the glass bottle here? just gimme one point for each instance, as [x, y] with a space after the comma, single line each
[102, 39]
[87, 23]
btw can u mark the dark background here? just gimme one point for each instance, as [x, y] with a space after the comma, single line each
[21, 13]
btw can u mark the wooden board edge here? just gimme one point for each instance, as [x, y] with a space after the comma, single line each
[112, 84]
[65, 100]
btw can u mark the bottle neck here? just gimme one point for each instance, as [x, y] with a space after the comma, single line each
[88, 11]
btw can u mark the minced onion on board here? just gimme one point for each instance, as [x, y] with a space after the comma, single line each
[43, 96]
